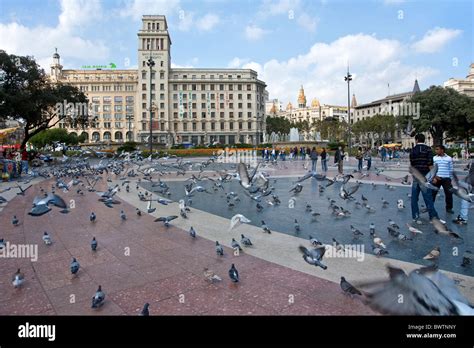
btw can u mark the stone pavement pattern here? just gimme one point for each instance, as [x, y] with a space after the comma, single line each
[164, 267]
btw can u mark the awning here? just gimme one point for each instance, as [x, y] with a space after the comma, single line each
[392, 145]
[4, 132]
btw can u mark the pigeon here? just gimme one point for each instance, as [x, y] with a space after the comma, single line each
[441, 228]
[413, 229]
[211, 276]
[433, 254]
[41, 204]
[338, 245]
[145, 312]
[265, 228]
[234, 274]
[149, 208]
[235, 245]
[259, 207]
[348, 288]
[2, 243]
[372, 229]
[219, 249]
[393, 224]
[297, 226]
[236, 220]
[425, 291]
[297, 188]
[92, 217]
[74, 266]
[166, 219]
[192, 232]
[245, 241]
[379, 242]
[356, 232]
[314, 241]
[93, 244]
[379, 251]
[99, 298]
[122, 215]
[47, 239]
[18, 279]
[314, 256]
[395, 233]
[422, 180]
[15, 221]
[466, 258]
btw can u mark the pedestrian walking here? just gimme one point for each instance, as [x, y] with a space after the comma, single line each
[421, 158]
[314, 159]
[443, 176]
[324, 164]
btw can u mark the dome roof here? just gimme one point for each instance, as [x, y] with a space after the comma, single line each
[315, 103]
[273, 110]
[289, 106]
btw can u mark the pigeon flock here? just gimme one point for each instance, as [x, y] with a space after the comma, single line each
[427, 290]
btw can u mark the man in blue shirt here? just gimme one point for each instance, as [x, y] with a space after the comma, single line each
[443, 176]
[421, 158]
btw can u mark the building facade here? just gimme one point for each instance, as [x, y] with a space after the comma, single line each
[304, 112]
[396, 105]
[464, 86]
[199, 106]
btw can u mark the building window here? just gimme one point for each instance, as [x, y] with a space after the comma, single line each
[194, 126]
[240, 125]
[162, 75]
[211, 87]
[231, 125]
[106, 108]
[221, 105]
[185, 126]
[240, 105]
[175, 87]
[231, 114]
[240, 114]
[231, 105]
[96, 99]
[175, 126]
[203, 126]
[203, 115]
[222, 114]
[249, 125]
[175, 115]
[203, 105]
[129, 99]
[249, 105]
[222, 126]
[213, 126]
[184, 87]
[118, 100]
[162, 86]
[118, 108]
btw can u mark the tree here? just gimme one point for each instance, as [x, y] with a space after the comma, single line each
[278, 125]
[444, 111]
[331, 129]
[29, 96]
[51, 136]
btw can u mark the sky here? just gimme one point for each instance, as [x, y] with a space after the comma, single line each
[386, 43]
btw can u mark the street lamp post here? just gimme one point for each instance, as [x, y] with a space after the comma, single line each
[348, 78]
[151, 64]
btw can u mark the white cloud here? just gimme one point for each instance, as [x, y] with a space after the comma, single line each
[373, 62]
[237, 62]
[273, 8]
[207, 22]
[186, 20]
[253, 32]
[393, 2]
[307, 22]
[40, 41]
[435, 39]
[137, 8]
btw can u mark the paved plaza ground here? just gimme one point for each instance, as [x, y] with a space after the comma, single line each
[139, 260]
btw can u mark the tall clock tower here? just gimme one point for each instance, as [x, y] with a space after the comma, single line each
[153, 41]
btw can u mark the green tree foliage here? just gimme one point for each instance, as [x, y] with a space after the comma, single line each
[445, 113]
[29, 96]
[278, 125]
[50, 136]
[331, 129]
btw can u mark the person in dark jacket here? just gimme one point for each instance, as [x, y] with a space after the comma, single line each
[314, 159]
[339, 158]
[421, 158]
[324, 164]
